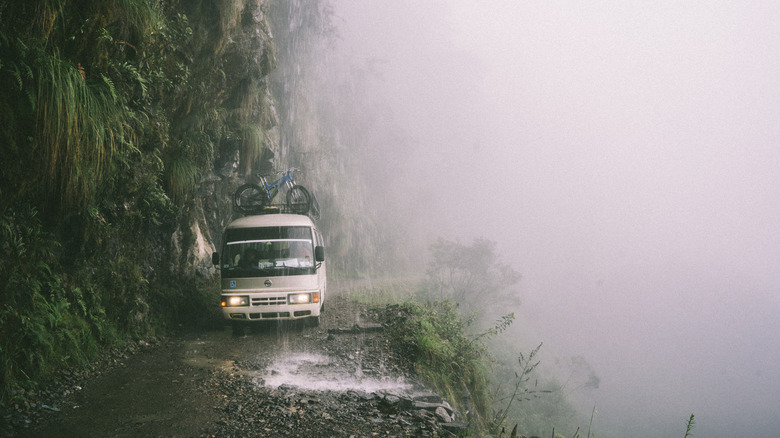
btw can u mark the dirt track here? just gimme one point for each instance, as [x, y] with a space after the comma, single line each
[275, 381]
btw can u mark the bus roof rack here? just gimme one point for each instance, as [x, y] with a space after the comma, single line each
[273, 209]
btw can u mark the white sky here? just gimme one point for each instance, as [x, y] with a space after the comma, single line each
[625, 154]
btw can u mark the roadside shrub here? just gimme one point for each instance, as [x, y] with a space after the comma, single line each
[48, 319]
[434, 337]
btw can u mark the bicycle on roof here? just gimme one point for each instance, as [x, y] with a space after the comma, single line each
[253, 198]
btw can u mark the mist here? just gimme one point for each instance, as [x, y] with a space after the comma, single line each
[623, 155]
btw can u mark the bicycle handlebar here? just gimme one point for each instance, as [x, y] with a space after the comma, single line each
[278, 172]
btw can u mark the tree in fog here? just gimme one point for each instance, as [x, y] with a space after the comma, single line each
[472, 276]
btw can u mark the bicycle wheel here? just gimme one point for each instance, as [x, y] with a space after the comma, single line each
[314, 207]
[250, 198]
[298, 200]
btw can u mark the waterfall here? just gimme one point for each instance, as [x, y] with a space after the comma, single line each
[319, 132]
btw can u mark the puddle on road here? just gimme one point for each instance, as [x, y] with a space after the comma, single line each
[195, 355]
[319, 373]
[302, 370]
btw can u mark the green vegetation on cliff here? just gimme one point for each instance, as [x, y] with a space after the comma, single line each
[113, 116]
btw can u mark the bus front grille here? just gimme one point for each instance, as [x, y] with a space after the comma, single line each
[269, 301]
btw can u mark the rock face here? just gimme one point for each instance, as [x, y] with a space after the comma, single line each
[200, 224]
[192, 245]
[245, 56]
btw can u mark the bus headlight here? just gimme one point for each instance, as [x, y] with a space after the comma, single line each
[234, 301]
[299, 298]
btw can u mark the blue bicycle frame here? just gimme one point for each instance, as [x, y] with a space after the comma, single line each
[275, 187]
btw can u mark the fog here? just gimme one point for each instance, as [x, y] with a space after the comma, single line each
[624, 157]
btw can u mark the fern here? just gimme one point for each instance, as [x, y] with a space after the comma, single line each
[136, 77]
[111, 88]
[18, 76]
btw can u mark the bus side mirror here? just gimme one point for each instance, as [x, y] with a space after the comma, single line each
[319, 254]
[215, 258]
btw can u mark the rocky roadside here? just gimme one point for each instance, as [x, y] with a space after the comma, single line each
[290, 411]
[340, 379]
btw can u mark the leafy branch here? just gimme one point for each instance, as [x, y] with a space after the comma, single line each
[689, 427]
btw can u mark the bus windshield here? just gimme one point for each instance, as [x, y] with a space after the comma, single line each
[268, 252]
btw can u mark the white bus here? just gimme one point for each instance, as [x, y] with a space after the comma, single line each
[272, 268]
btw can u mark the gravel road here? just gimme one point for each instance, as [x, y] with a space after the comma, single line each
[340, 379]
